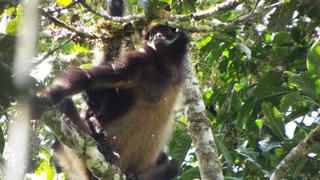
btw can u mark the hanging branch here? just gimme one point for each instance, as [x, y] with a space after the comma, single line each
[53, 50]
[200, 127]
[295, 154]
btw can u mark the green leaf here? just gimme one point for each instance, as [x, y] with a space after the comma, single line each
[86, 65]
[294, 100]
[225, 151]
[190, 174]
[268, 85]
[281, 38]
[308, 83]
[268, 38]
[184, 7]
[273, 119]
[64, 2]
[244, 115]
[299, 166]
[152, 7]
[180, 144]
[313, 58]
[251, 155]
[12, 27]
[204, 41]
[259, 123]
[68, 48]
[281, 17]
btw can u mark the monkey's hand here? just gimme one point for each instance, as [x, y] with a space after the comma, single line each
[66, 84]
[51, 97]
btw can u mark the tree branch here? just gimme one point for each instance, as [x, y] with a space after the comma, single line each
[112, 18]
[295, 154]
[81, 143]
[240, 19]
[68, 27]
[196, 16]
[207, 13]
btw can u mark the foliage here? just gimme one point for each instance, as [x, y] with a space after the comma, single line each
[260, 77]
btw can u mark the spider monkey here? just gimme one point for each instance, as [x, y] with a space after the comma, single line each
[137, 119]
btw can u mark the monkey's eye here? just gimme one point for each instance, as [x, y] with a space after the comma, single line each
[167, 31]
[152, 34]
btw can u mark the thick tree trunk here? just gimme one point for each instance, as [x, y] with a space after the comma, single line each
[200, 128]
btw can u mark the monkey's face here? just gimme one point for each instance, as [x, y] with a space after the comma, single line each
[160, 36]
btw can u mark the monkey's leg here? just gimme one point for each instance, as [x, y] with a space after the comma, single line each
[164, 169]
[65, 159]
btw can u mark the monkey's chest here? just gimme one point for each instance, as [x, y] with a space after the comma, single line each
[139, 135]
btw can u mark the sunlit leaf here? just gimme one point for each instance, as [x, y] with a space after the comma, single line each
[64, 2]
[204, 41]
[259, 123]
[12, 27]
[313, 60]
[86, 65]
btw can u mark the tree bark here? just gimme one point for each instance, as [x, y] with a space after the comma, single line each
[200, 128]
[295, 154]
[19, 130]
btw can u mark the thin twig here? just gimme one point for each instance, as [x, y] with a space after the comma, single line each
[53, 50]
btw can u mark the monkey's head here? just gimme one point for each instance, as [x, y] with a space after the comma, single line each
[160, 36]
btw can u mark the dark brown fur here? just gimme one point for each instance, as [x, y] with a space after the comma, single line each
[137, 118]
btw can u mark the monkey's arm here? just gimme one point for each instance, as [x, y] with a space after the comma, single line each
[103, 76]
